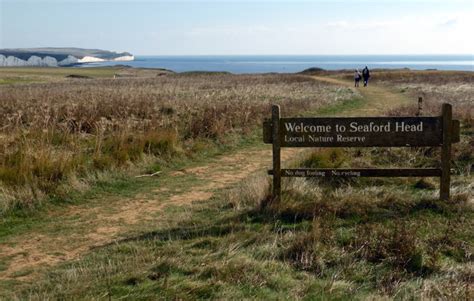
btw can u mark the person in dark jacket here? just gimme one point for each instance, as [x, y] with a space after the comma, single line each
[366, 76]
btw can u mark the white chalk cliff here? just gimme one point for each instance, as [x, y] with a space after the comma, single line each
[47, 61]
[56, 57]
[125, 58]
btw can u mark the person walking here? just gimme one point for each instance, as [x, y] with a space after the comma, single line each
[366, 76]
[357, 77]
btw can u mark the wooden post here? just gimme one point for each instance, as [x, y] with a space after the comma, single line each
[420, 106]
[446, 152]
[276, 153]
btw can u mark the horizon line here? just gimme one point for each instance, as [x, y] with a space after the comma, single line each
[270, 54]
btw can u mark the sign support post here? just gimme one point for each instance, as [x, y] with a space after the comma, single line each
[420, 106]
[446, 152]
[276, 153]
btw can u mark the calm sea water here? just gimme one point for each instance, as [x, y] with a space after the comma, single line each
[296, 63]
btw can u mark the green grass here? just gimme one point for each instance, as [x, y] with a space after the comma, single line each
[118, 185]
[325, 240]
[25, 75]
[344, 106]
[15, 80]
[221, 253]
[97, 72]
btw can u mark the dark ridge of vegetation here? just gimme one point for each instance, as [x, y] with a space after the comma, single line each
[78, 76]
[312, 70]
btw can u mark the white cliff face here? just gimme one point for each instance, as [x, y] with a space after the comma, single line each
[12, 61]
[70, 60]
[125, 58]
[48, 61]
[90, 59]
[34, 60]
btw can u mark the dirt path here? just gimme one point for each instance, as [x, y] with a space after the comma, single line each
[76, 229]
[379, 99]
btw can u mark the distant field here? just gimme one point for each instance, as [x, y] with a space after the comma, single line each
[54, 73]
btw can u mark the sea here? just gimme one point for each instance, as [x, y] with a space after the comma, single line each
[239, 64]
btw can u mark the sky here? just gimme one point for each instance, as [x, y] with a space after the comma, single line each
[166, 27]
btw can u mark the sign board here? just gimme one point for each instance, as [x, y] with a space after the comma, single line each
[438, 131]
[361, 132]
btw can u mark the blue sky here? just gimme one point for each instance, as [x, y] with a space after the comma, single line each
[197, 27]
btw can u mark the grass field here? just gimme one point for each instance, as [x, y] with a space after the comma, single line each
[58, 134]
[340, 239]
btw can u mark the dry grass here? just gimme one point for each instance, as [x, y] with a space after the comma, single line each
[454, 87]
[429, 76]
[390, 234]
[53, 132]
[387, 234]
[249, 193]
[437, 88]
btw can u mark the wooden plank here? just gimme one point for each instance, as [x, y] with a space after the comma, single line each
[446, 152]
[276, 153]
[267, 131]
[361, 132]
[359, 172]
[456, 136]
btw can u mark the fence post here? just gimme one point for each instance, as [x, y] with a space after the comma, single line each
[420, 106]
[276, 153]
[446, 152]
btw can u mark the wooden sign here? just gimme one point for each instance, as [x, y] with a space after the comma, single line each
[438, 131]
[361, 132]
